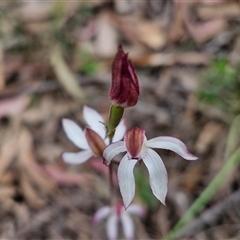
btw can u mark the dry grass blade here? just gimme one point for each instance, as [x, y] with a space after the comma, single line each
[211, 215]
[7, 153]
[31, 194]
[65, 76]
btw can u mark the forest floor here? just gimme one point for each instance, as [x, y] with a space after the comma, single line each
[56, 56]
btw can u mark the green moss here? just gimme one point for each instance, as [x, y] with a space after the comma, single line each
[220, 86]
[87, 64]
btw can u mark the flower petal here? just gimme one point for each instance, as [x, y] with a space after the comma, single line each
[136, 209]
[77, 158]
[127, 225]
[112, 227]
[101, 214]
[74, 133]
[120, 131]
[112, 150]
[157, 174]
[94, 120]
[173, 144]
[126, 179]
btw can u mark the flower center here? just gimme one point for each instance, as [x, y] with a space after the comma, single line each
[134, 140]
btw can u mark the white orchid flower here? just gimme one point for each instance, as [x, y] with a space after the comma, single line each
[139, 148]
[93, 140]
[118, 213]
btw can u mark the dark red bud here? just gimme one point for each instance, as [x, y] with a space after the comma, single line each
[125, 88]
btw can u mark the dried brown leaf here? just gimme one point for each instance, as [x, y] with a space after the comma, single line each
[106, 37]
[202, 32]
[195, 173]
[208, 136]
[34, 10]
[30, 193]
[37, 11]
[29, 166]
[49, 152]
[149, 33]
[227, 10]
[7, 191]
[176, 30]
[8, 230]
[188, 79]
[13, 106]
[213, 2]
[191, 106]
[139, 31]
[8, 151]
[156, 59]
[22, 214]
[169, 59]
[192, 58]
[164, 83]
[7, 178]
[40, 179]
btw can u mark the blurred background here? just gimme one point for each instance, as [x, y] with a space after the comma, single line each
[56, 56]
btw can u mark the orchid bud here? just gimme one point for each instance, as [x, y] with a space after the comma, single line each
[125, 88]
[95, 142]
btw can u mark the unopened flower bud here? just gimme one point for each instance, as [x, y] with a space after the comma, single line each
[125, 88]
[95, 142]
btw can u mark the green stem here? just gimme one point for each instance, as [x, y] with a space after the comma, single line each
[111, 185]
[114, 118]
[207, 194]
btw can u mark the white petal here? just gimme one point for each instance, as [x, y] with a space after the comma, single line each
[126, 179]
[112, 150]
[77, 158]
[101, 214]
[94, 120]
[157, 174]
[74, 133]
[136, 210]
[112, 227]
[127, 225]
[120, 131]
[173, 144]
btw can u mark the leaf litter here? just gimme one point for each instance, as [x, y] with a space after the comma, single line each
[43, 78]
